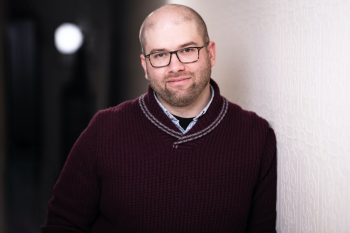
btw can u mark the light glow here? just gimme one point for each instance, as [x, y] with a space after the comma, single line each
[68, 38]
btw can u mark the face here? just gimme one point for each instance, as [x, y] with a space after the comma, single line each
[178, 84]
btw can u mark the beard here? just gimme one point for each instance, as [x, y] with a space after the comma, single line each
[182, 98]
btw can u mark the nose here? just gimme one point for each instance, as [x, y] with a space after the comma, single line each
[175, 64]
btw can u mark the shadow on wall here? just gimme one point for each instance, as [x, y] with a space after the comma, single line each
[232, 72]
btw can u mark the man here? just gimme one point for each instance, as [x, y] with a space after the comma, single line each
[180, 158]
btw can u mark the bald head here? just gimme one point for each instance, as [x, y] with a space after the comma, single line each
[176, 14]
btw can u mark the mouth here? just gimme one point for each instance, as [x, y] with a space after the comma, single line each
[178, 79]
[179, 82]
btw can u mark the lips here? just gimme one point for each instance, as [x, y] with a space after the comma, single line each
[178, 77]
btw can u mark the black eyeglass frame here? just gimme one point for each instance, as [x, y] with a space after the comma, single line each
[175, 52]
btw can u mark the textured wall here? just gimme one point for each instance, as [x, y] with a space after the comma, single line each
[290, 62]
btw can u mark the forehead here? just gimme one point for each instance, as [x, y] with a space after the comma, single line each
[171, 33]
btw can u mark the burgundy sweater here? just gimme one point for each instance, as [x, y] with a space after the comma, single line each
[132, 171]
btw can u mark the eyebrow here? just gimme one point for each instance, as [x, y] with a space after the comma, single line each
[191, 43]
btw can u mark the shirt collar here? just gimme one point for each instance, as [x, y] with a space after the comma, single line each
[176, 121]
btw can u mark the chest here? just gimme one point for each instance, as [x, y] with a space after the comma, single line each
[203, 178]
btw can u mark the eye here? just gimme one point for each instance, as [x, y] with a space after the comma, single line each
[187, 50]
[159, 55]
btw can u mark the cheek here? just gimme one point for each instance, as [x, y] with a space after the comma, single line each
[155, 75]
[205, 66]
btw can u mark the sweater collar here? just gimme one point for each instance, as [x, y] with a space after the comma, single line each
[215, 113]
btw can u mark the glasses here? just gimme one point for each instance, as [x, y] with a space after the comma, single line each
[185, 56]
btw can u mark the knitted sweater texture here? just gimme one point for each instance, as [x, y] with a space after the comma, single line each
[133, 171]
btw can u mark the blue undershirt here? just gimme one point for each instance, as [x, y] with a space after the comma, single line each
[194, 120]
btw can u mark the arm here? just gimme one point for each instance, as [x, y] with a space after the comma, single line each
[73, 206]
[263, 212]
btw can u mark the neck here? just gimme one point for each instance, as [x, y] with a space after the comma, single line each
[193, 108]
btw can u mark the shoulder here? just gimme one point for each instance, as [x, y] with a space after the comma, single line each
[248, 124]
[254, 129]
[125, 108]
[246, 117]
[121, 108]
[114, 116]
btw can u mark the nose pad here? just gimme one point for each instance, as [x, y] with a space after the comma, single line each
[175, 64]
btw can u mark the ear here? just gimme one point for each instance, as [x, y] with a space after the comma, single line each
[212, 52]
[144, 65]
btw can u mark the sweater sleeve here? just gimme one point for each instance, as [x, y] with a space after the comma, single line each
[263, 211]
[73, 206]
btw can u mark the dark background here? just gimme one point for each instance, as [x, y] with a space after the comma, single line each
[47, 98]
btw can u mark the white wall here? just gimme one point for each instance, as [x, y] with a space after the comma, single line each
[290, 62]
